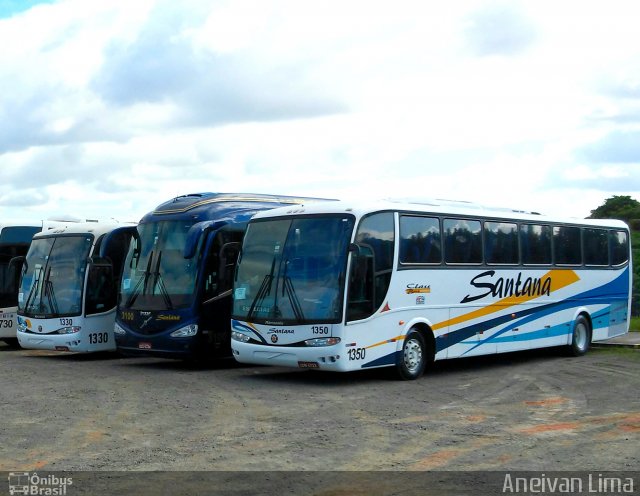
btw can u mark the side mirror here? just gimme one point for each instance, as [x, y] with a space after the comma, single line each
[227, 252]
[195, 233]
[227, 257]
[18, 261]
[361, 249]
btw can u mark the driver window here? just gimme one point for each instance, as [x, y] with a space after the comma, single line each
[371, 265]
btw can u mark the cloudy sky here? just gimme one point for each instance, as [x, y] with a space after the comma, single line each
[108, 108]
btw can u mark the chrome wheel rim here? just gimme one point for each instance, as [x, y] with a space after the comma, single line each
[412, 355]
[581, 336]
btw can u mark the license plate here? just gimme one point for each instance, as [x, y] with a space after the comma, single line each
[144, 346]
[309, 365]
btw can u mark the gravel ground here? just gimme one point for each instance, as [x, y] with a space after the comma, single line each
[536, 411]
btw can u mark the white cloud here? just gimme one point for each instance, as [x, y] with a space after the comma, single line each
[112, 107]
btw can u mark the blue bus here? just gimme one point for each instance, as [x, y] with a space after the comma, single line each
[175, 294]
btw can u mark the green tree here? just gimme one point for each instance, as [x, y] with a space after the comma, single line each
[618, 207]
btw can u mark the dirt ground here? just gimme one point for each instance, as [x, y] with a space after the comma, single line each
[536, 411]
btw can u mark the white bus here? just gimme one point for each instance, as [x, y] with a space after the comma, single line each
[15, 238]
[345, 286]
[68, 287]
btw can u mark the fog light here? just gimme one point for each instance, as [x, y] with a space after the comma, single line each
[69, 330]
[322, 341]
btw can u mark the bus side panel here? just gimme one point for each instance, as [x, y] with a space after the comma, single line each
[8, 322]
[469, 339]
[372, 342]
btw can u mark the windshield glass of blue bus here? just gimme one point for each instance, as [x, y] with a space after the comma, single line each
[53, 276]
[292, 270]
[156, 275]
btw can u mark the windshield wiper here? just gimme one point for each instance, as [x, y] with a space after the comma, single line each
[265, 289]
[159, 281]
[34, 290]
[287, 287]
[142, 281]
[49, 292]
[289, 290]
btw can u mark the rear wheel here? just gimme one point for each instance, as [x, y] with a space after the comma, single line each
[581, 338]
[413, 357]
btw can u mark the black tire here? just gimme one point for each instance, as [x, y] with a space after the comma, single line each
[581, 337]
[12, 342]
[412, 360]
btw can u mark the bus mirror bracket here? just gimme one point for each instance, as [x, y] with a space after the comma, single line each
[100, 261]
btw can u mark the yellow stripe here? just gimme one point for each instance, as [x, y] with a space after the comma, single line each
[386, 341]
[559, 280]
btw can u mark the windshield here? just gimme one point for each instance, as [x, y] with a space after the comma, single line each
[14, 241]
[156, 275]
[53, 276]
[292, 270]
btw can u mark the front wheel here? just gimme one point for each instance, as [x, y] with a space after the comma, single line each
[413, 357]
[581, 338]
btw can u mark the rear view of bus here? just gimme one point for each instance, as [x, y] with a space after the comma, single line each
[68, 287]
[175, 297]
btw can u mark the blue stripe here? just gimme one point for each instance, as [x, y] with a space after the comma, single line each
[614, 291]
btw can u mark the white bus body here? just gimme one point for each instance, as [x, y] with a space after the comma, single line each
[345, 287]
[68, 287]
[15, 238]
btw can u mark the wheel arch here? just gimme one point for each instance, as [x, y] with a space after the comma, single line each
[425, 330]
[582, 312]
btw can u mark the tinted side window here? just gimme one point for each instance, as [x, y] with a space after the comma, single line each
[420, 240]
[619, 247]
[500, 243]
[567, 246]
[535, 241]
[596, 247]
[462, 241]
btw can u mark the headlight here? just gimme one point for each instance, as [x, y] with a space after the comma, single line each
[240, 336]
[69, 330]
[322, 341]
[185, 332]
[117, 329]
[22, 327]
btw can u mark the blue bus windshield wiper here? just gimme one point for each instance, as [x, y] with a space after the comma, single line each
[158, 281]
[141, 282]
